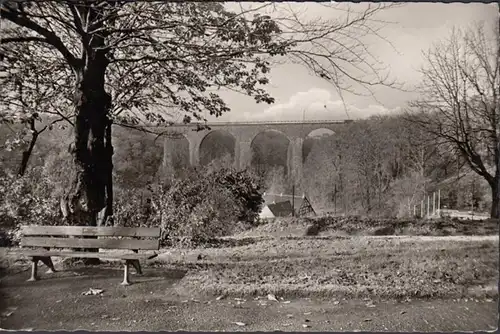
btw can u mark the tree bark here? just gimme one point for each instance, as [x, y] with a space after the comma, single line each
[495, 198]
[106, 216]
[88, 193]
[27, 154]
[89, 199]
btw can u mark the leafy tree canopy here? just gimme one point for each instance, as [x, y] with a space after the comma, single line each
[166, 61]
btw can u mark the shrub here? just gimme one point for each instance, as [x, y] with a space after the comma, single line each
[26, 200]
[246, 188]
[132, 208]
[215, 217]
[205, 205]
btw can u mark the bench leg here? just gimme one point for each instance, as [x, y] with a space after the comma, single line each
[48, 262]
[34, 270]
[137, 266]
[125, 274]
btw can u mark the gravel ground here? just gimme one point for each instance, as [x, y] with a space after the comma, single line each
[335, 281]
[155, 302]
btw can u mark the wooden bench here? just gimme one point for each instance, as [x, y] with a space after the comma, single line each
[41, 239]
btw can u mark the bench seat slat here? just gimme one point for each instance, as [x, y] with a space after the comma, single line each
[141, 232]
[130, 256]
[90, 243]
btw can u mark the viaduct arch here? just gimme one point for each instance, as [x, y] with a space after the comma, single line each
[245, 132]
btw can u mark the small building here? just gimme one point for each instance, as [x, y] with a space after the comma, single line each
[281, 209]
[266, 213]
[281, 205]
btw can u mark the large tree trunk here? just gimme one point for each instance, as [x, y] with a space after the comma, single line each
[88, 200]
[495, 199]
[106, 215]
[89, 191]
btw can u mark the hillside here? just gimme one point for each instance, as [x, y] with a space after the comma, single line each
[379, 166]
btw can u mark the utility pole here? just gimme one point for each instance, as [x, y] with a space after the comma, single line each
[472, 198]
[293, 200]
[434, 203]
[428, 205]
[439, 202]
[335, 200]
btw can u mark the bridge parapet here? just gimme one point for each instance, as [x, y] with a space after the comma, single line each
[315, 122]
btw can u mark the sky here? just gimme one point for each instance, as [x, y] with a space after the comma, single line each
[410, 30]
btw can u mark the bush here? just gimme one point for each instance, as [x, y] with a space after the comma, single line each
[132, 208]
[26, 200]
[246, 188]
[208, 205]
[205, 205]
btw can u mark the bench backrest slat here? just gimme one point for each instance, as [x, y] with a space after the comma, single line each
[90, 243]
[142, 232]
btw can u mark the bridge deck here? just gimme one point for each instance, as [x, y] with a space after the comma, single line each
[264, 123]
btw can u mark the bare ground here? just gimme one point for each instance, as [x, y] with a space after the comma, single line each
[157, 302]
[396, 283]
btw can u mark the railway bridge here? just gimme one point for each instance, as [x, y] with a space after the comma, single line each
[244, 134]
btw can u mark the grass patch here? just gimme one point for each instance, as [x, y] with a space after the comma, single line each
[353, 226]
[356, 267]
[348, 257]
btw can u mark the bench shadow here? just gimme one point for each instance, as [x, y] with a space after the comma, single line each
[3, 296]
[69, 275]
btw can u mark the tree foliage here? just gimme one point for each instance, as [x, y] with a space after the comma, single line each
[460, 100]
[384, 166]
[136, 63]
[206, 204]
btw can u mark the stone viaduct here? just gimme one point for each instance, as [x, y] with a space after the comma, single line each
[245, 132]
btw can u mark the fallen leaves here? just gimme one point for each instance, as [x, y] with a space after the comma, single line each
[8, 312]
[92, 292]
[370, 304]
[272, 297]
[241, 324]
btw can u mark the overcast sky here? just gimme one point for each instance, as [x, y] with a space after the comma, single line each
[415, 27]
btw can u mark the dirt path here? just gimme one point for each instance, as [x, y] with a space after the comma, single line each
[437, 238]
[155, 302]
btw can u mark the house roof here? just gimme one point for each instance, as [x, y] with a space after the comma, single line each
[266, 213]
[281, 209]
[276, 198]
[299, 202]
